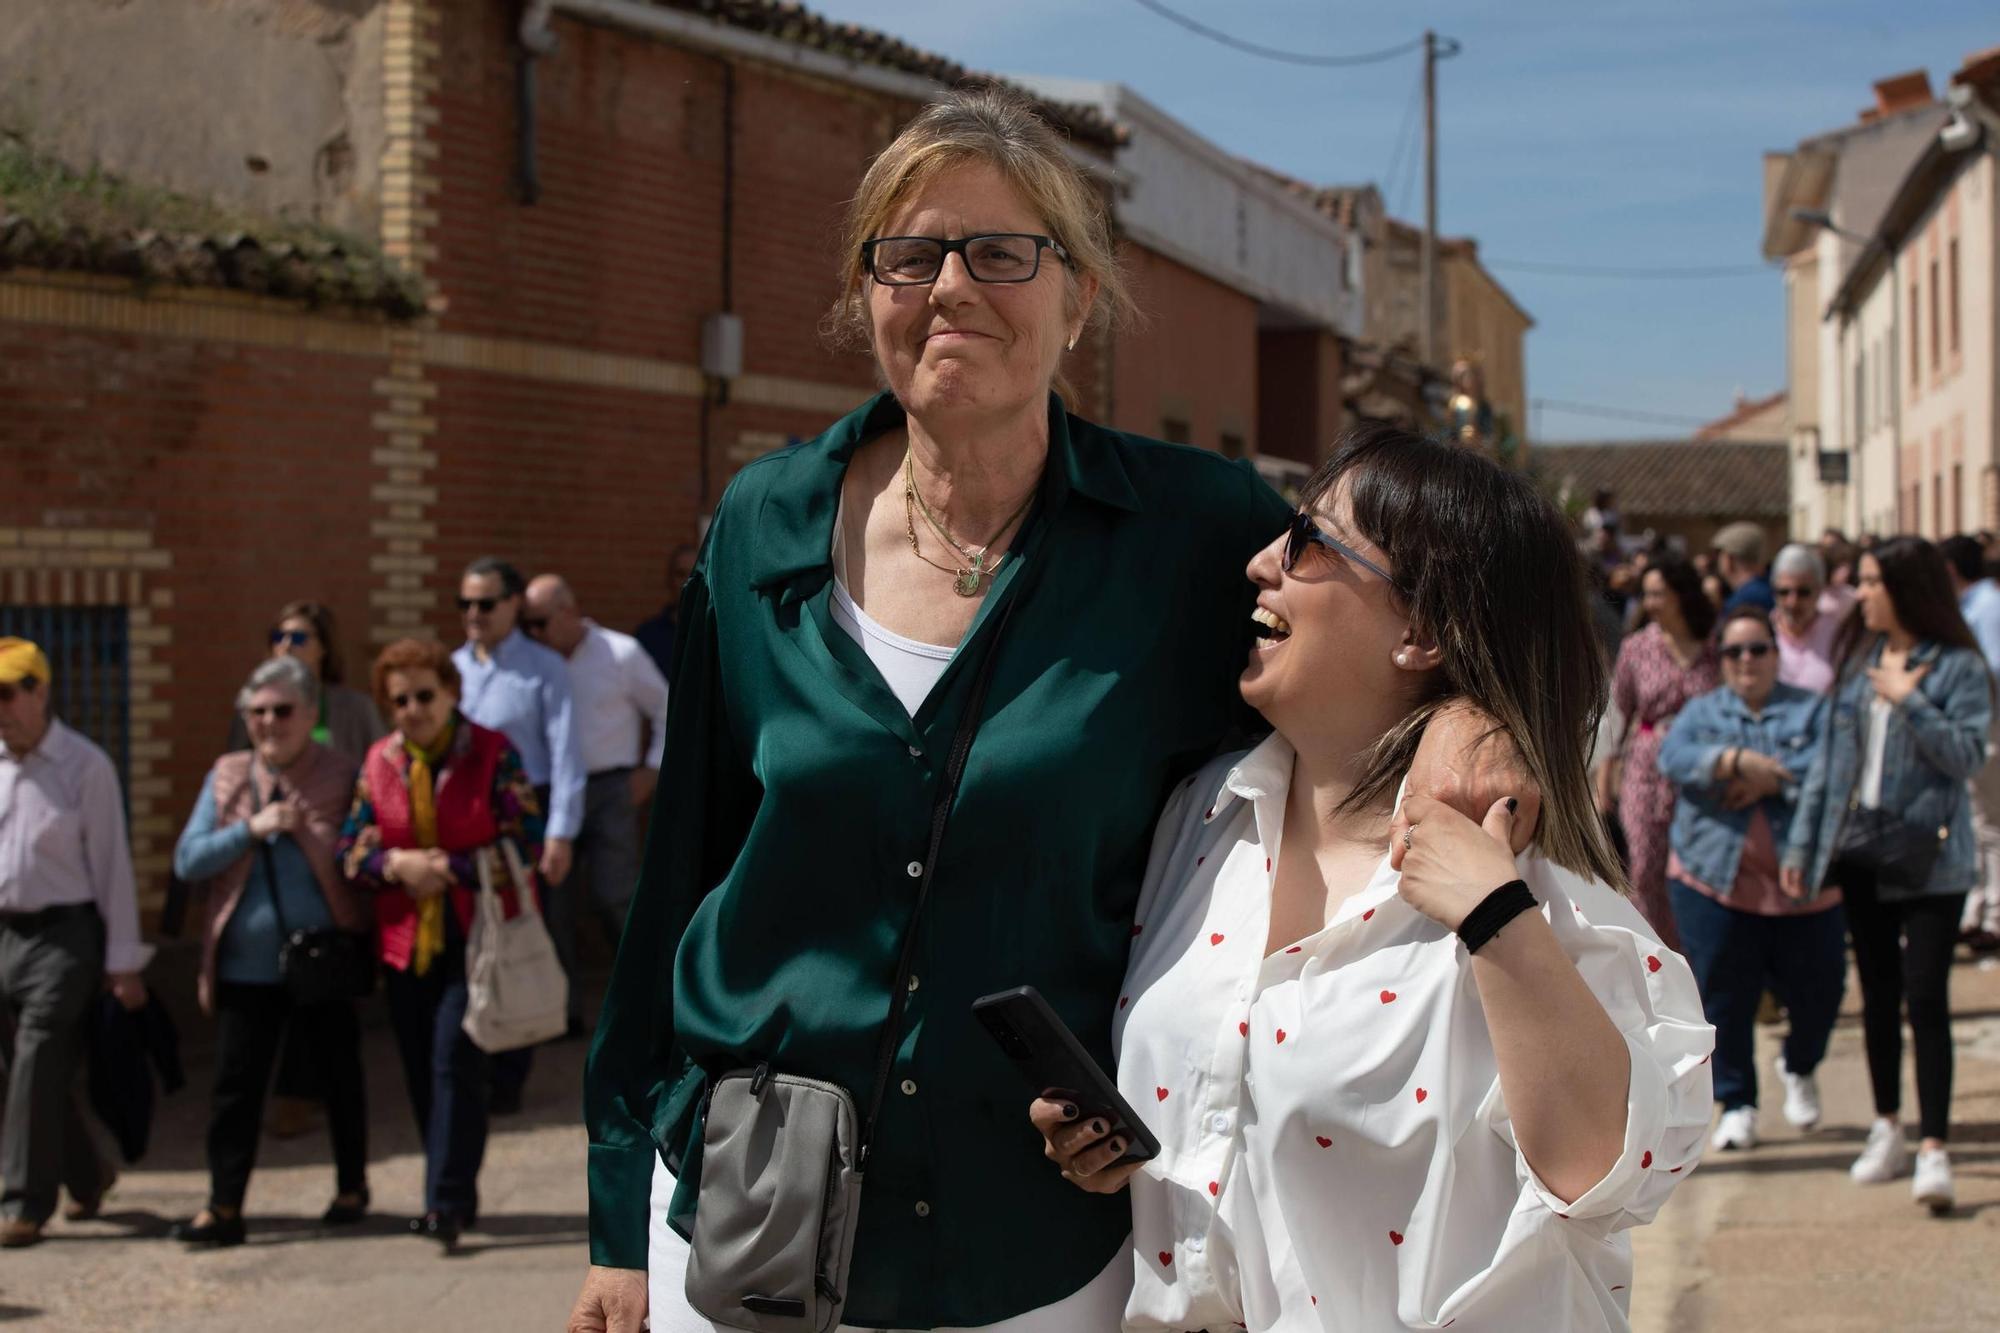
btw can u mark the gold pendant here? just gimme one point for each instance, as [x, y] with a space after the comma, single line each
[967, 583]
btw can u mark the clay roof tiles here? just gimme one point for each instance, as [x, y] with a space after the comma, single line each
[1675, 478]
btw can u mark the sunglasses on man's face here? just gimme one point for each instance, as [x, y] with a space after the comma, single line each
[1305, 532]
[278, 712]
[290, 638]
[8, 693]
[1737, 651]
[534, 624]
[485, 604]
[424, 697]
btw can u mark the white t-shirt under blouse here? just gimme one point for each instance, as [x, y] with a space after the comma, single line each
[909, 666]
[1335, 1149]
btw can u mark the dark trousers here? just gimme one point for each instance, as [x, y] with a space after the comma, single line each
[603, 876]
[1735, 956]
[447, 1076]
[1902, 954]
[250, 1023]
[51, 971]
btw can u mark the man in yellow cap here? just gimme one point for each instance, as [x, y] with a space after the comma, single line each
[69, 926]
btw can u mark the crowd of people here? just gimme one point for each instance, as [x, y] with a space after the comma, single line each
[1796, 762]
[1428, 997]
[343, 822]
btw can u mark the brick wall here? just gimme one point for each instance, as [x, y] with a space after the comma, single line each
[1193, 360]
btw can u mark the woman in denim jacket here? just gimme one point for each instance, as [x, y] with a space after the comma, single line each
[1737, 755]
[1907, 728]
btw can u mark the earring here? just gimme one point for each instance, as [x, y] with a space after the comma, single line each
[1072, 342]
[1402, 659]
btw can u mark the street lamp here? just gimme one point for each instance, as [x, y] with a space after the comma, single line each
[1823, 220]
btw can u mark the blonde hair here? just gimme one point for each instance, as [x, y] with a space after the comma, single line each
[990, 127]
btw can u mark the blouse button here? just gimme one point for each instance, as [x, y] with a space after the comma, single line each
[909, 1087]
[913, 981]
[916, 752]
[1219, 1122]
[1193, 1245]
[915, 869]
[923, 1209]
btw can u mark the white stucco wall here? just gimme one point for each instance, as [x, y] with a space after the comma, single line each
[1185, 198]
[273, 106]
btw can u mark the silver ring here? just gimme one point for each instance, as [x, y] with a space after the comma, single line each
[1408, 833]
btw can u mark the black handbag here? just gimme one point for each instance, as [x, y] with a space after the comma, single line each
[1900, 854]
[320, 965]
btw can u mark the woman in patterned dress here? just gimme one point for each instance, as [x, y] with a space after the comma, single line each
[1659, 669]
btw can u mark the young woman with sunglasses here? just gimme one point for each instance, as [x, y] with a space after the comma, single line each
[1399, 1080]
[433, 794]
[1885, 815]
[261, 839]
[345, 719]
[1737, 755]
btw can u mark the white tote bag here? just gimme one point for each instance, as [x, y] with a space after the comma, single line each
[516, 992]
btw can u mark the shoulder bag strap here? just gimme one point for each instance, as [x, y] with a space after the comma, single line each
[954, 770]
[270, 864]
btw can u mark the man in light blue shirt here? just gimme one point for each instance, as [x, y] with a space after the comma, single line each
[1979, 603]
[516, 686]
[1978, 595]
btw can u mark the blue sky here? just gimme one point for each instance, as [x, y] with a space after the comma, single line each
[1609, 134]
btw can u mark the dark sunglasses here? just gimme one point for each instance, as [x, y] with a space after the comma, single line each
[534, 624]
[424, 696]
[1735, 651]
[8, 693]
[279, 711]
[1304, 532]
[485, 604]
[291, 638]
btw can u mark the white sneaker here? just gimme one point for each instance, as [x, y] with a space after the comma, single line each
[1736, 1129]
[1932, 1187]
[1801, 1098]
[1884, 1158]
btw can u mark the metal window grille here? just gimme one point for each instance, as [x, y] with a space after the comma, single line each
[90, 656]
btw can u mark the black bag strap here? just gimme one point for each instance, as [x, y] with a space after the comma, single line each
[954, 770]
[270, 864]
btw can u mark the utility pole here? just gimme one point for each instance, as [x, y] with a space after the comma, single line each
[1429, 325]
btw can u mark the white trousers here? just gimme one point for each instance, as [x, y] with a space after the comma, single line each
[1097, 1308]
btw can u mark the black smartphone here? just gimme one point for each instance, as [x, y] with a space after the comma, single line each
[1051, 1059]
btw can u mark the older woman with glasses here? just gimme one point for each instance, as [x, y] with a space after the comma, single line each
[262, 839]
[345, 718]
[1736, 755]
[1808, 618]
[433, 794]
[850, 595]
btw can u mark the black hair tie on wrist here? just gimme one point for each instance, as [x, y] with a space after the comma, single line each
[1495, 910]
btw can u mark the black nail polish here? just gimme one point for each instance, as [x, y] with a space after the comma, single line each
[1098, 1126]
[1069, 1111]
[1512, 805]
[1118, 1146]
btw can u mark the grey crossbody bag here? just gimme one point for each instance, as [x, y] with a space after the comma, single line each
[783, 1156]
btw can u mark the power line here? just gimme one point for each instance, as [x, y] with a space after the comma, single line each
[1274, 53]
[1615, 413]
[1406, 141]
[1654, 271]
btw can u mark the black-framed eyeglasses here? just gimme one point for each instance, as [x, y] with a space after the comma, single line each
[1305, 532]
[1001, 256]
[425, 696]
[279, 711]
[485, 604]
[290, 638]
[1737, 651]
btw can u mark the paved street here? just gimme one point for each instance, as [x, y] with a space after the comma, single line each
[1771, 1240]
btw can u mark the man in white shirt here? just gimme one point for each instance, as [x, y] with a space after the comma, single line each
[69, 927]
[619, 700]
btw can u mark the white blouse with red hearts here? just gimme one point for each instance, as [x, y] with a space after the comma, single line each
[1335, 1151]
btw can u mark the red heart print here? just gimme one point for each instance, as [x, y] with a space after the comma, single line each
[1281, 1036]
[1214, 1188]
[1267, 865]
[1199, 859]
[1210, 814]
[1243, 1029]
[1395, 1238]
[1295, 948]
[1652, 963]
[1322, 1140]
[1673, 1171]
[1124, 1000]
[1421, 1094]
[1315, 1300]
[1136, 928]
[1619, 1287]
[1160, 1093]
[1388, 996]
[1216, 939]
[1645, 1161]
[1365, 915]
[1166, 1259]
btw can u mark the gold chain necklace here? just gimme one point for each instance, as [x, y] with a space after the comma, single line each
[966, 579]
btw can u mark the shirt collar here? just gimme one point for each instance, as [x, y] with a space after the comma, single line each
[795, 523]
[55, 743]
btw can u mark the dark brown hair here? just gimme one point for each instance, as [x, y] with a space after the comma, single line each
[1746, 611]
[412, 655]
[1918, 582]
[321, 616]
[1487, 568]
[1685, 584]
